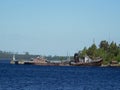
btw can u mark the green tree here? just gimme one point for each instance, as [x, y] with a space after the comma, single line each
[104, 44]
[92, 51]
[114, 49]
[82, 53]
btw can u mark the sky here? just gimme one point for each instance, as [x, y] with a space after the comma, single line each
[57, 27]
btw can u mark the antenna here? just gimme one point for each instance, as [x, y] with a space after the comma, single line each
[68, 56]
[109, 38]
[93, 40]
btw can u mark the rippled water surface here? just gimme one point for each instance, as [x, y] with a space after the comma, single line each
[30, 77]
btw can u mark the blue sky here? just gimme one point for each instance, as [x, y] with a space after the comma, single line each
[55, 27]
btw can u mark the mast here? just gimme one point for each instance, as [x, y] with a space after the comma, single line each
[93, 40]
[109, 38]
[68, 56]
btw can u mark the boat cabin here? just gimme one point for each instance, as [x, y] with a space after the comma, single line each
[40, 60]
[85, 59]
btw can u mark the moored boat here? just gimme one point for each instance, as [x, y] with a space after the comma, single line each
[40, 61]
[86, 61]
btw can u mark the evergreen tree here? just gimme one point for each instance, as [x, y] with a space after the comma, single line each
[92, 51]
[104, 44]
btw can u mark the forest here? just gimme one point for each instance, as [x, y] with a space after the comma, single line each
[107, 51]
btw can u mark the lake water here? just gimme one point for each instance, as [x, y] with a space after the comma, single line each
[31, 77]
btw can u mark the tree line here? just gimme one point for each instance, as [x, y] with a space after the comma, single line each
[26, 56]
[107, 51]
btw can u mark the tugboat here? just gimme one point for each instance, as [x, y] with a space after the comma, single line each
[86, 61]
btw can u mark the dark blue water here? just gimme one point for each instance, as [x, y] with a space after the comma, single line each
[30, 77]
